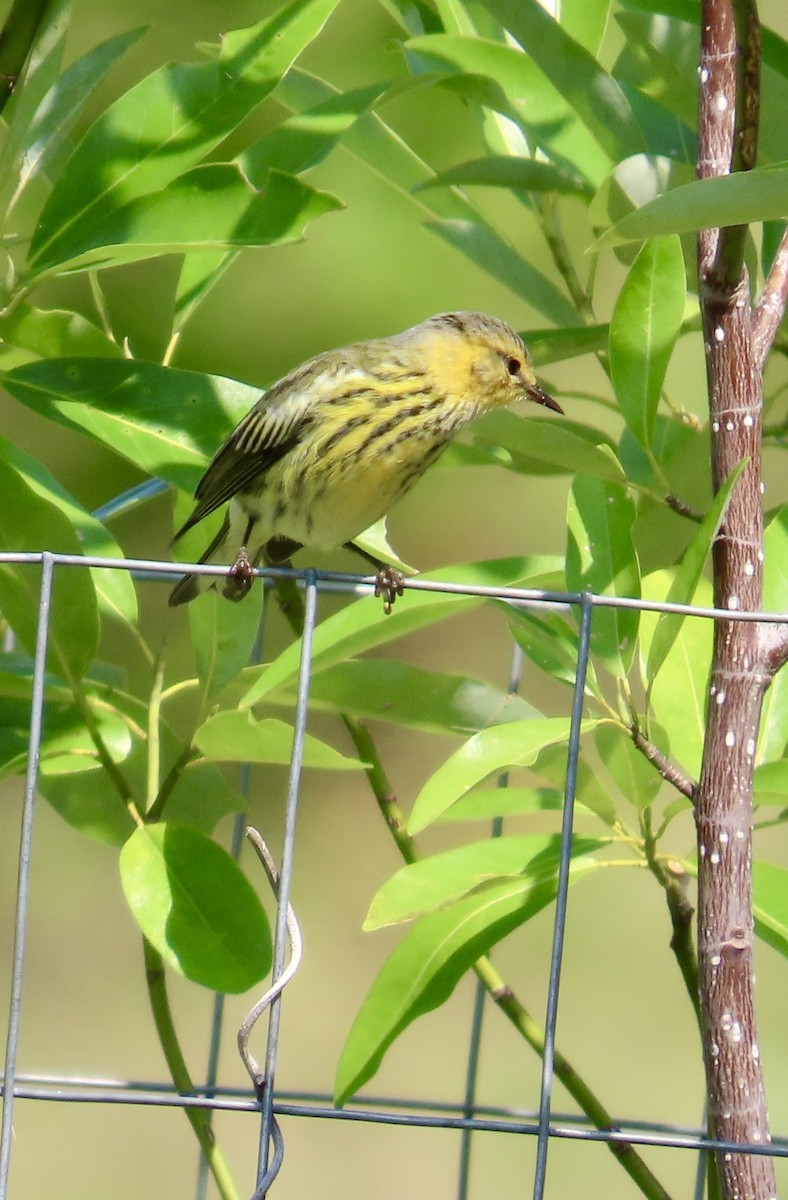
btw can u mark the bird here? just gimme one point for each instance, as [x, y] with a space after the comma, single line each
[328, 449]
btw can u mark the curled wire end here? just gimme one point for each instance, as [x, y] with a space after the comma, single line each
[256, 1074]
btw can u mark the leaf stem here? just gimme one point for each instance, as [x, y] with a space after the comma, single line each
[198, 1118]
[154, 740]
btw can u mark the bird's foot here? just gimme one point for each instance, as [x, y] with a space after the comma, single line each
[240, 577]
[389, 584]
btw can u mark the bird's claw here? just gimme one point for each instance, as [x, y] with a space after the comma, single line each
[389, 583]
[240, 577]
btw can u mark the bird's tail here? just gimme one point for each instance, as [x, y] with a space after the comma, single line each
[190, 586]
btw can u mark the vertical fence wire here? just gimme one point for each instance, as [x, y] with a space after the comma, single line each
[266, 1169]
[23, 881]
[562, 889]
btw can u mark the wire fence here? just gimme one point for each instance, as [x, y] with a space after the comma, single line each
[263, 1096]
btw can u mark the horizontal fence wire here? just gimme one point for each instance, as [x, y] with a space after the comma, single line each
[469, 1117]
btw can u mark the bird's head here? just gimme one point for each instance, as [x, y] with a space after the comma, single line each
[480, 358]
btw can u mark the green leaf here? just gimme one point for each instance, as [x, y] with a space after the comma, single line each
[362, 626]
[739, 199]
[237, 737]
[223, 636]
[659, 59]
[500, 77]
[634, 776]
[167, 422]
[547, 641]
[685, 673]
[306, 138]
[435, 882]
[429, 962]
[775, 567]
[51, 333]
[591, 791]
[320, 118]
[387, 690]
[585, 21]
[556, 345]
[593, 95]
[770, 783]
[686, 578]
[645, 325]
[770, 905]
[43, 144]
[209, 208]
[486, 803]
[601, 558]
[498, 258]
[375, 541]
[549, 442]
[483, 755]
[66, 745]
[30, 523]
[525, 174]
[195, 907]
[179, 114]
[114, 589]
[202, 796]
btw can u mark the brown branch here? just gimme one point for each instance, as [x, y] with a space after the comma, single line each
[771, 306]
[727, 134]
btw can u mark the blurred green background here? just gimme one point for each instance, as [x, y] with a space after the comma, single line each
[369, 270]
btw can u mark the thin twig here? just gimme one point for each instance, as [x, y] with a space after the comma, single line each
[199, 1118]
[770, 309]
[668, 770]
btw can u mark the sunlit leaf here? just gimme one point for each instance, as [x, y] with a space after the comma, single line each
[686, 578]
[643, 330]
[434, 882]
[30, 523]
[425, 967]
[741, 198]
[237, 737]
[179, 114]
[601, 558]
[483, 755]
[209, 208]
[388, 690]
[195, 907]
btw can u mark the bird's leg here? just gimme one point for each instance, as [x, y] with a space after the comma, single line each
[389, 582]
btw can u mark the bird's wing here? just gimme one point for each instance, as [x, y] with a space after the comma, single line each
[268, 431]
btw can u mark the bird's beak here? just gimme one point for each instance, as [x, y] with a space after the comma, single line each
[540, 396]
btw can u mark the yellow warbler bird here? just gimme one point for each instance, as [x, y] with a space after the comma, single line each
[326, 451]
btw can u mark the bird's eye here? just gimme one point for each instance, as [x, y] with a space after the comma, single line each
[513, 366]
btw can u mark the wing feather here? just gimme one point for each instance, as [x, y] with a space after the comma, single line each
[264, 436]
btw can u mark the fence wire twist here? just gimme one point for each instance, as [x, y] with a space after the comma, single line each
[466, 1116]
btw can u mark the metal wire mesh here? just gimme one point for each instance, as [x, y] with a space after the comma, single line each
[466, 1116]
